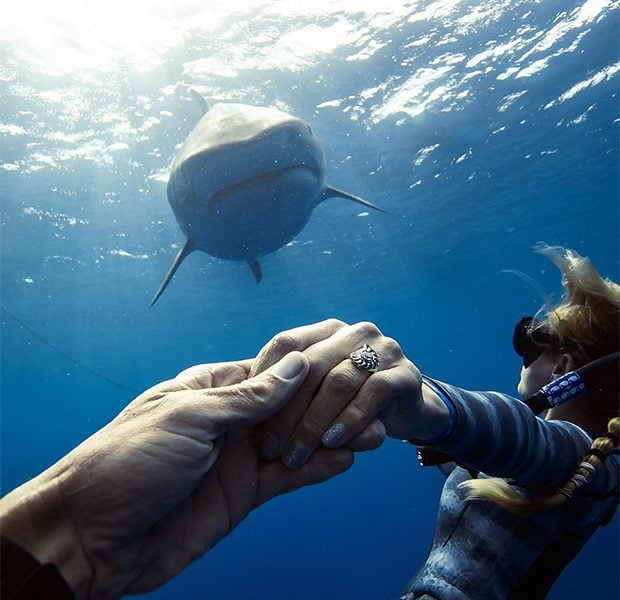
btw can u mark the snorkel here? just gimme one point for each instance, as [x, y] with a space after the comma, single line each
[599, 377]
[531, 339]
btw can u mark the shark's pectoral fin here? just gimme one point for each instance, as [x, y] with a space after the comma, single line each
[187, 248]
[333, 192]
[204, 105]
[256, 270]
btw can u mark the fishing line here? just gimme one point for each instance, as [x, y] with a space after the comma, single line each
[62, 353]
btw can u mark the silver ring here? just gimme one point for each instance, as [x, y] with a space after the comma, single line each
[366, 358]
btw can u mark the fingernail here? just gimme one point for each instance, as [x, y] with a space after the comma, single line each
[295, 454]
[270, 446]
[288, 367]
[334, 435]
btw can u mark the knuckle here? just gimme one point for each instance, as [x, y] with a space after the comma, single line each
[380, 391]
[378, 383]
[257, 390]
[188, 373]
[311, 424]
[333, 323]
[340, 379]
[392, 347]
[358, 413]
[367, 329]
[406, 377]
[283, 343]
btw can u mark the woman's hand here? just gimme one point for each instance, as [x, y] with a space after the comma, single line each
[340, 404]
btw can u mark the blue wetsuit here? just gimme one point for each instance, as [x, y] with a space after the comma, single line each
[482, 551]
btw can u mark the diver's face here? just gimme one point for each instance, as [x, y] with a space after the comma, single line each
[537, 374]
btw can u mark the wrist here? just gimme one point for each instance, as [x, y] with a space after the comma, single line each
[33, 517]
[438, 418]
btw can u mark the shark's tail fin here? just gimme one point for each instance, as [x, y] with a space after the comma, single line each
[187, 248]
[333, 192]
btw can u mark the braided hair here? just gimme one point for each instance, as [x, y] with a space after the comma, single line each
[587, 324]
[500, 491]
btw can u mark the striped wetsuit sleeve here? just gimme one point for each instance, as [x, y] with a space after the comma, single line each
[500, 436]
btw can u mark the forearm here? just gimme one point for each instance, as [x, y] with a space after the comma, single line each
[500, 436]
[32, 517]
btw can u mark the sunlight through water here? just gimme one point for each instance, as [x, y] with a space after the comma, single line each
[480, 126]
[94, 45]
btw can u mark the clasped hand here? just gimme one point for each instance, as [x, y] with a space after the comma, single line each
[188, 459]
[339, 403]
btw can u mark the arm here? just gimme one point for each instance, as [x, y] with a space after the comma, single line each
[162, 483]
[499, 435]
[486, 431]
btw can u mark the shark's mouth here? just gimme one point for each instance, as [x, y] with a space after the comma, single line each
[268, 188]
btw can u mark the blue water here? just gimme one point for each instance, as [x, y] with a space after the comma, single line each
[481, 127]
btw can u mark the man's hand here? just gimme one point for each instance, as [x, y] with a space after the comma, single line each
[162, 483]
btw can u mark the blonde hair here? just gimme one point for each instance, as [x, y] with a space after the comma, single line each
[588, 319]
[586, 324]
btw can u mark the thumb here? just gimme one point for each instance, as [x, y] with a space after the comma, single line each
[257, 398]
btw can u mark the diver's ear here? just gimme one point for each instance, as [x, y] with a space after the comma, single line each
[564, 364]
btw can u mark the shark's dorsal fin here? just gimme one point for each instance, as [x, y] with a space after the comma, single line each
[187, 248]
[256, 270]
[331, 192]
[204, 105]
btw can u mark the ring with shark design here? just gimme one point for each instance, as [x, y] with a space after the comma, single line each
[366, 358]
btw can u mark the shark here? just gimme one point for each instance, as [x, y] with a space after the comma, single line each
[244, 184]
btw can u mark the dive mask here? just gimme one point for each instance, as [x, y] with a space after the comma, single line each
[530, 339]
